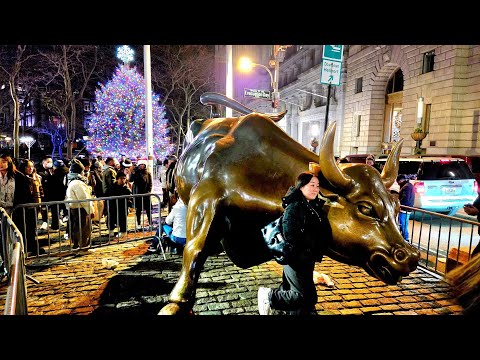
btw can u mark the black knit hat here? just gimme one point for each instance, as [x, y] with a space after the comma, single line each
[58, 163]
[76, 167]
[401, 177]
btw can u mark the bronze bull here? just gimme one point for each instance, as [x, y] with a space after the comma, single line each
[233, 176]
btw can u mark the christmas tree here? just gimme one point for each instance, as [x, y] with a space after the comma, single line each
[118, 124]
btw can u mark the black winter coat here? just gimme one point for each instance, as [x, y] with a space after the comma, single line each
[304, 226]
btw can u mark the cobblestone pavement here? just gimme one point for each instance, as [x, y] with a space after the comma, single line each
[141, 282]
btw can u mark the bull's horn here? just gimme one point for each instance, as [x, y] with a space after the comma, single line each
[327, 162]
[390, 170]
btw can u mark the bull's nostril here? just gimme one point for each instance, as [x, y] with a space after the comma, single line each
[399, 255]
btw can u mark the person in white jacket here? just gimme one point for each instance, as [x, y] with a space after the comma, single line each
[175, 228]
[80, 213]
[177, 219]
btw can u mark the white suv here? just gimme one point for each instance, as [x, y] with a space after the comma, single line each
[442, 185]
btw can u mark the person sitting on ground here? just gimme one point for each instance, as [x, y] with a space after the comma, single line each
[175, 227]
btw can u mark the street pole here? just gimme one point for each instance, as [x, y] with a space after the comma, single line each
[328, 105]
[229, 84]
[148, 107]
[276, 94]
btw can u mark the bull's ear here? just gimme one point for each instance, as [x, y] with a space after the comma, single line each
[390, 170]
[314, 168]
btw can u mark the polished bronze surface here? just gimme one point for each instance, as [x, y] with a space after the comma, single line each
[233, 176]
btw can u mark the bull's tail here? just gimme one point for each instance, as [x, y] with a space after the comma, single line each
[213, 98]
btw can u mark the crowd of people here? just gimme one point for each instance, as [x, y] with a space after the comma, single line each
[22, 181]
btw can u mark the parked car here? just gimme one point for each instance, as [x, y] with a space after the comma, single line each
[442, 184]
[357, 158]
[473, 162]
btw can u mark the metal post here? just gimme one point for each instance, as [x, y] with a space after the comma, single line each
[229, 84]
[328, 106]
[148, 107]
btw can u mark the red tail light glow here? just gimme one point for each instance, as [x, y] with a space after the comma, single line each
[475, 186]
[444, 161]
[419, 187]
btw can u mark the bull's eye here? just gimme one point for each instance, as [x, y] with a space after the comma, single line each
[366, 209]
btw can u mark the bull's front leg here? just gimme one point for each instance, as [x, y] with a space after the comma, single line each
[200, 214]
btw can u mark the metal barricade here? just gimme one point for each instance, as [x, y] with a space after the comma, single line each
[443, 241]
[111, 213]
[13, 257]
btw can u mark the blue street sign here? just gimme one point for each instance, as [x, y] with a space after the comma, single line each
[333, 52]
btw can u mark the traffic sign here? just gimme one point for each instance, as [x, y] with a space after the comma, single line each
[331, 71]
[333, 52]
[259, 94]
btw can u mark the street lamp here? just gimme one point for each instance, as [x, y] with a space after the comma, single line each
[29, 141]
[245, 64]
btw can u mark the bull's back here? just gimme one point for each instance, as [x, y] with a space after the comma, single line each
[246, 152]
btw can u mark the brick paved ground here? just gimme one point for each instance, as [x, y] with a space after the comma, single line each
[141, 283]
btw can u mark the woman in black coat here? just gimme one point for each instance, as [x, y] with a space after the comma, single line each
[304, 224]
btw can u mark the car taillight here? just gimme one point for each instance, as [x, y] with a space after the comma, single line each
[444, 161]
[419, 187]
[475, 186]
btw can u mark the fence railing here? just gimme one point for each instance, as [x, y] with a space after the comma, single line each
[118, 219]
[443, 241]
[13, 258]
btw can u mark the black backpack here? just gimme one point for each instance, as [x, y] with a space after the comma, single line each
[275, 241]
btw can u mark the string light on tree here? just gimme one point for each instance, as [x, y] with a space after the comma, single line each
[118, 124]
[125, 53]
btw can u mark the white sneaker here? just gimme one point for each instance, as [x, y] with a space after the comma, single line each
[60, 223]
[139, 227]
[120, 235]
[44, 226]
[264, 301]
[65, 236]
[65, 219]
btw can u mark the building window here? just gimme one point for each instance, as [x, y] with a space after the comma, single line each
[358, 85]
[426, 122]
[428, 62]
[395, 83]
[359, 120]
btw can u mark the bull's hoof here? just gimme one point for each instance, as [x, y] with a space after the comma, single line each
[175, 309]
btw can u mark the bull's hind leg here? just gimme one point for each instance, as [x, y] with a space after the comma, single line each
[200, 214]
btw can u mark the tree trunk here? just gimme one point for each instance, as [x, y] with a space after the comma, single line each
[16, 118]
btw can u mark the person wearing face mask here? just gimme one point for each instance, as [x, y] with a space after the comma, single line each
[303, 221]
[45, 172]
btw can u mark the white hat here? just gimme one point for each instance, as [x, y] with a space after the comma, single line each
[395, 187]
[144, 162]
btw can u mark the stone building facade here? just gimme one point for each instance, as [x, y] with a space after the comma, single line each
[385, 92]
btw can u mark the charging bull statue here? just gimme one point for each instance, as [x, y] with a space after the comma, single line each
[233, 176]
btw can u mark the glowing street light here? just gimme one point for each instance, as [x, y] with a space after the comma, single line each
[246, 65]
[29, 141]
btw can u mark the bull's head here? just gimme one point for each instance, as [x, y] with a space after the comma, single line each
[362, 214]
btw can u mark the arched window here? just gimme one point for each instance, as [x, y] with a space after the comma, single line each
[395, 83]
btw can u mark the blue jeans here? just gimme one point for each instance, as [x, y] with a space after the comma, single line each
[403, 222]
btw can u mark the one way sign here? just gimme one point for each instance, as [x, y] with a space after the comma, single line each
[331, 71]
